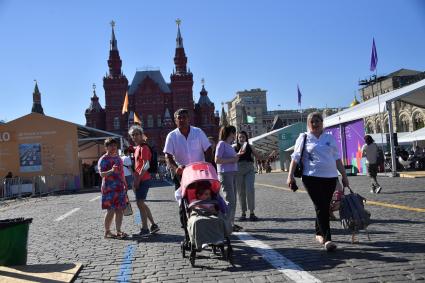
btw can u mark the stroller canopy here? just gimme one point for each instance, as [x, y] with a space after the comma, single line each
[199, 171]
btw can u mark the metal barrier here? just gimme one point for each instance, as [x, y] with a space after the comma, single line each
[20, 187]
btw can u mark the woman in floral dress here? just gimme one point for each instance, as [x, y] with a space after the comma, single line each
[114, 188]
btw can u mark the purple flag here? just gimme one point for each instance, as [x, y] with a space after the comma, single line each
[299, 95]
[374, 57]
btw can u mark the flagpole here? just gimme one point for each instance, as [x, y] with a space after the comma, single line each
[380, 115]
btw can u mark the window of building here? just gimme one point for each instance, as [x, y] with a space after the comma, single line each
[418, 122]
[404, 124]
[116, 123]
[159, 121]
[150, 121]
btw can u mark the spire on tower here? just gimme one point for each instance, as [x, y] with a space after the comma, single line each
[36, 100]
[114, 61]
[180, 59]
[179, 39]
[114, 45]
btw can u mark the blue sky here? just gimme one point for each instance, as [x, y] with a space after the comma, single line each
[324, 46]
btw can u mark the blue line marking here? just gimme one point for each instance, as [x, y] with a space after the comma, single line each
[124, 275]
[125, 268]
[137, 217]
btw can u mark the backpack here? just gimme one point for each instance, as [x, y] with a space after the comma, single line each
[354, 217]
[153, 162]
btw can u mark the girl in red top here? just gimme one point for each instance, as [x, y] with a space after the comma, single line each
[142, 178]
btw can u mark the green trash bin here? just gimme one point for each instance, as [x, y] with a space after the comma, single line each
[14, 241]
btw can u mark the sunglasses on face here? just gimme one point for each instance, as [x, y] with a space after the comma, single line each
[316, 121]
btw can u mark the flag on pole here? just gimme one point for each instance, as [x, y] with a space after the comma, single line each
[299, 95]
[125, 105]
[374, 57]
[136, 119]
[250, 119]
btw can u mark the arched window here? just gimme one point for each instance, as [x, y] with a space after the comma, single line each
[117, 123]
[404, 124]
[159, 120]
[369, 128]
[378, 127]
[418, 121]
[150, 121]
[386, 125]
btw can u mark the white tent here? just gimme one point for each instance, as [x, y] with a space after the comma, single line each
[413, 94]
[418, 135]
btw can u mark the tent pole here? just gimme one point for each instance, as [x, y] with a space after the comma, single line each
[390, 126]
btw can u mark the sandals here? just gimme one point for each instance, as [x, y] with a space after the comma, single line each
[109, 235]
[121, 235]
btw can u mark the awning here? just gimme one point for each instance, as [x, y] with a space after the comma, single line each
[88, 136]
[413, 94]
[418, 135]
[382, 139]
[270, 141]
[266, 142]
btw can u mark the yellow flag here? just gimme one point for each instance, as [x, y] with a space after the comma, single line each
[136, 119]
[125, 105]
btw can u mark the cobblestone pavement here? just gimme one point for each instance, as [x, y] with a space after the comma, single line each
[395, 253]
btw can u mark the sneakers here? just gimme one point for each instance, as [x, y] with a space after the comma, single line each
[372, 191]
[154, 228]
[144, 232]
[330, 246]
[378, 190]
[243, 217]
[237, 228]
[252, 217]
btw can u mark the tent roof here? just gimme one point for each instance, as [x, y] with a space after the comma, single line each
[266, 142]
[269, 141]
[383, 139]
[418, 135]
[89, 135]
[413, 94]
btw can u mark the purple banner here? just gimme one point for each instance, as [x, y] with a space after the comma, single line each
[354, 133]
[350, 143]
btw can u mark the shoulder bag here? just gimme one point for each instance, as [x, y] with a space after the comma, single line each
[300, 166]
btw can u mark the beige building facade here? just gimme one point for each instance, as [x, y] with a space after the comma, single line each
[406, 117]
[247, 111]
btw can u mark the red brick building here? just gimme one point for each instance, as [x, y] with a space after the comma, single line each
[151, 98]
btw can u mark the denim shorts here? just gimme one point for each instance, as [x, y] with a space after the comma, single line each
[142, 192]
[129, 179]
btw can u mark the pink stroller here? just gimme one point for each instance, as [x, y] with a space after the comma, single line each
[203, 219]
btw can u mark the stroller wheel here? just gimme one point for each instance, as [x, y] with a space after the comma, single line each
[223, 253]
[183, 249]
[192, 255]
[214, 249]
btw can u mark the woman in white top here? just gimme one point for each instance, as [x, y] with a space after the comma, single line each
[321, 161]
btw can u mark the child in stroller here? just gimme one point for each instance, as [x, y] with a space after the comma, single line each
[203, 212]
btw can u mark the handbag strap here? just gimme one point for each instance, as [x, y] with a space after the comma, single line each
[343, 190]
[302, 149]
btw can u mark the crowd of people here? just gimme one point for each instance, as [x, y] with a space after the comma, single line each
[235, 161]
